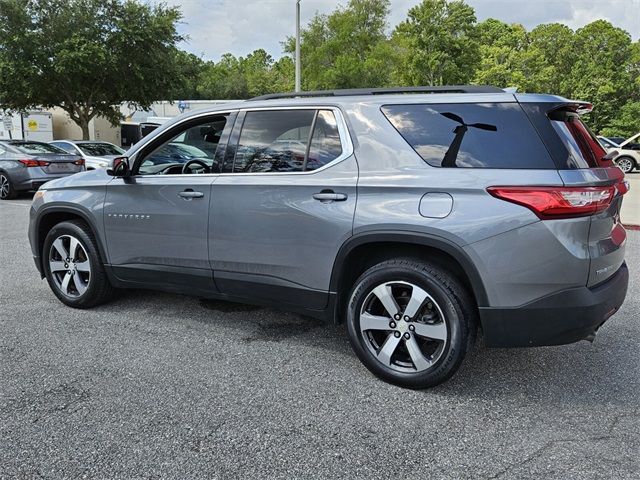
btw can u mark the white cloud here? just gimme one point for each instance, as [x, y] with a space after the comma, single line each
[219, 26]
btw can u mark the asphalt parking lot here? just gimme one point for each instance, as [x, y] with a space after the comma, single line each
[158, 386]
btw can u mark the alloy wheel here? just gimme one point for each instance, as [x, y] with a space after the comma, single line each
[5, 186]
[625, 164]
[403, 326]
[69, 266]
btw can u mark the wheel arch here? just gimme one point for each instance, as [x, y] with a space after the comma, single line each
[364, 250]
[50, 216]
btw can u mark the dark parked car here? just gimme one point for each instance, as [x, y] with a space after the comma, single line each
[26, 165]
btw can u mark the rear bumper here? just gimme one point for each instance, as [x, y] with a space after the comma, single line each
[35, 182]
[557, 319]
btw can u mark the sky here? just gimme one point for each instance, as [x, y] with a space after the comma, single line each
[215, 27]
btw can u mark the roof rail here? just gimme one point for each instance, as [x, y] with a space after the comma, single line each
[383, 91]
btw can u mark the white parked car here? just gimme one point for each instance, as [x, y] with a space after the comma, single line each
[96, 154]
[627, 159]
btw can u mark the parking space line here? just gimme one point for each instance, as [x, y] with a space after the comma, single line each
[16, 203]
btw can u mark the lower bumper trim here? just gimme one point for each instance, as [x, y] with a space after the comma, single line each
[564, 317]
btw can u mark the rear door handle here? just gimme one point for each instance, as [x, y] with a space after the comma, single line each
[330, 196]
[189, 194]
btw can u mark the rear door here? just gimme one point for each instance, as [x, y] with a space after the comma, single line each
[284, 205]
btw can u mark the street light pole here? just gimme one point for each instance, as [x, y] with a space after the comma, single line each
[297, 45]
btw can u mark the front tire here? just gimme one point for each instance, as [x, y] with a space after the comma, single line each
[410, 322]
[73, 267]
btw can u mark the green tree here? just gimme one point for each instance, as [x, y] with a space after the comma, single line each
[503, 55]
[223, 80]
[626, 123]
[245, 77]
[190, 68]
[86, 56]
[600, 70]
[437, 44]
[552, 44]
[347, 48]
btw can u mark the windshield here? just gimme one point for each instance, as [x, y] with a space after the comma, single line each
[37, 147]
[100, 149]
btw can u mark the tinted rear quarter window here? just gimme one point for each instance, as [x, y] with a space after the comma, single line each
[585, 151]
[325, 142]
[479, 135]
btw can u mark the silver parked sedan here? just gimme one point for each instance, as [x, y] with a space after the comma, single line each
[25, 165]
[96, 154]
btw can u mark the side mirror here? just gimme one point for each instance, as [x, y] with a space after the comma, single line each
[120, 167]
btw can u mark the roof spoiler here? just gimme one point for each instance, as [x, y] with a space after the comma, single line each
[578, 106]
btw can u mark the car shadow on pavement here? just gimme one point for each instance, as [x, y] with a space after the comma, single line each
[579, 373]
[251, 323]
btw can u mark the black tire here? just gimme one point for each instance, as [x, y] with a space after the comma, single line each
[98, 289]
[457, 307]
[7, 190]
[628, 164]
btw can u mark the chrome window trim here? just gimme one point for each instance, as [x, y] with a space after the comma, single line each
[343, 132]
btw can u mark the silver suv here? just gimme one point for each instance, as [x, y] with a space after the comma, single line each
[418, 216]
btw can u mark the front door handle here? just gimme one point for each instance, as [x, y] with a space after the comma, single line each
[330, 196]
[189, 194]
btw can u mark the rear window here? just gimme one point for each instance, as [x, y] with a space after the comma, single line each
[36, 147]
[479, 135]
[585, 151]
[100, 149]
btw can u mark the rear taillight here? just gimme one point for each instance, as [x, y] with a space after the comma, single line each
[622, 185]
[34, 163]
[558, 202]
[79, 162]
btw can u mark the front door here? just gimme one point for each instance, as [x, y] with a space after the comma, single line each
[156, 220]
[283, 206]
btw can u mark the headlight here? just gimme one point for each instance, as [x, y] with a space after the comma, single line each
[39, 194]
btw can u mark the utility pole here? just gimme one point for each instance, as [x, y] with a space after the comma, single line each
[297, 45]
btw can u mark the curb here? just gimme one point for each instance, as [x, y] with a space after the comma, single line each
[631, 227]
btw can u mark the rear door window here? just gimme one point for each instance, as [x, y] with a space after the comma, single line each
[479, 135]
[273, 141]
[287, 141]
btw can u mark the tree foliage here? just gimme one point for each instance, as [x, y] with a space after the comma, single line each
[244, 77]
[437, 44]
[87, 56]
[347, 48]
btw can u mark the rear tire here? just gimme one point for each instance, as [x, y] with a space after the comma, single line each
[73, 267]
[626, 164]
[426, 346]
[7, 191]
